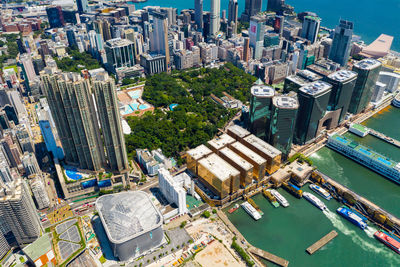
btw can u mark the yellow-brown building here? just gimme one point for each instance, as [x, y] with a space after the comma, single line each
[220, 142]
[238, 132]
[219, 176]
[194, 155]
[243, 166]
[253, 158]
[265, 150]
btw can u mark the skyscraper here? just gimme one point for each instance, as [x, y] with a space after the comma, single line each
[72, 107]
[214, 17]
[368, 72]
[342, 82]
[283, 122]
[159, 37]
[83, 6]
[233, 11]
[120, 53]
[256, 34]
[341, 44]
[55, 16]
[246, 51]
[107, 107]
[198, 14]
[260, 109]
[251, 8]
[18, 211]
[4, 246]
[313, 101]
[275, 5]
[310, 28]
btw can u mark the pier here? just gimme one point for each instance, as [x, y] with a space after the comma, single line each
[268, 256]
[384, 137]
[322, 242]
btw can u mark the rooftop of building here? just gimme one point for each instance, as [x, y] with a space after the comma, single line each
[365, 150]
[262, 91]
[199, 152]
[219, 167]
[367, 64]
[342, 75]
[118, 42]
[359, 127]
[127, 215]
[286, 102]
[315, 88]
[309, 75]
[236, 158]
[239, 131]
[221, 141]
[41, 246]
[378, 48]
[263, 146]
[312, 17]
[298, 80]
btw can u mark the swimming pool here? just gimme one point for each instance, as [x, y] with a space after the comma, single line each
[143, 106]
[73, 174]
[135, 94]
[127, 109]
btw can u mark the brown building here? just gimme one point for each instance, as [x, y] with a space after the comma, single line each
[243, 166]
[194, 155]
[220, 142]
[238, 132]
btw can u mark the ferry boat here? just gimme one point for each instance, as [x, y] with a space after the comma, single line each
[353, 217]
[396, 101]
[389, 240]
[365, 156]
[314, 200]
[320, 191]
[251, 210]
[279, 197]
[234, 208]
[270, 198]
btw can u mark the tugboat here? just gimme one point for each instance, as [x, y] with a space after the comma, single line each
[353, 217]
[389, 240]
[234, 208]
[267, 194]
[320, 191]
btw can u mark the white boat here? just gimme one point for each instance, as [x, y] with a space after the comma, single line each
[320, 191]
[279, 197]
[314, 200]
[251, 210]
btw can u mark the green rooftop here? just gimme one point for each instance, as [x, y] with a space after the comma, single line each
[359, 127]
[38, 248]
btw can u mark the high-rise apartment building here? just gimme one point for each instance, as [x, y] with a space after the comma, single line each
[18, 212]
[39, 192]
[159, 37]
[82, 5]
[72, 106]
[30, 164]
[233, 13]
[55, 16]
[120, 53]
[282, 123]
[310, 28]
[251, 8]
[260, 109]
[198, 14]
[313, 102]
[4, 246]
[215, 17]
[342, 82]
[27, 67]
[107, 107]
[341, 43]
[368, 72]
[256, 34]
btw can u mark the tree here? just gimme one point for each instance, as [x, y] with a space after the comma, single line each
[206, 214]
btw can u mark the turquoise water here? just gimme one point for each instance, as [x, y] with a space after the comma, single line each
[135, 94]
[371, 17]
[128, 109]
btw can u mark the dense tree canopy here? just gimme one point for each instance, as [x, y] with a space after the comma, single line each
[77, 58]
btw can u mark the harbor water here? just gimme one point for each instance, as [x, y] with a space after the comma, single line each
[287, 232]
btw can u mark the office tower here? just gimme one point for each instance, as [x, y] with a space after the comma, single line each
[279, 25]
[310, 28]
[246, 51]
[275, 6]
[5, 171]
[39, 192]
[391, 80]
[198, 13]
[233, 11]
[30, 164]
[120, 53]
[341, 43]
[260, 109]
[38, 64]
[4, 246]
[107, 108]
[342, 82]
[214, 18]
[83, 6]
[256, 34]
[27, 67]
[72, 107]
[55, 16]
[283, 122]
[24, 139]
[377, 95]
[313, 101]
[18, 211]
[368, 72]
[12, 151]
[251, 8]
[159, 37]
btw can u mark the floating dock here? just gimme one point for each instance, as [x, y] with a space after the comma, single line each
[322, 242]
[268, 256]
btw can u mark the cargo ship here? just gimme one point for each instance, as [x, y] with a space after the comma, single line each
[353, 217]
[267, 194]
[389, 240]
[280, 198]
[251, 202]
[234, 208]
[314, 200]
[320, 191]
[251, 210]
[294, 190]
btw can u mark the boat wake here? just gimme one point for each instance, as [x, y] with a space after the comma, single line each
[370, 231]
[360, 241]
